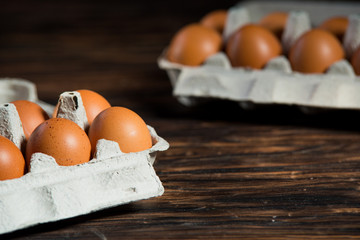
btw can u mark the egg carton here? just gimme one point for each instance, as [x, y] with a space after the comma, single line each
[338, 88]
[49, 192]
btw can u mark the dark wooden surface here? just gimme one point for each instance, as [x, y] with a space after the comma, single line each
[269, 173]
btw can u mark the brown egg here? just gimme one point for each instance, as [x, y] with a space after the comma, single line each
[275, 22]
[315, 51]
[94, 103]
[12, 162]
[31, 115]
[123, 126]
[62, 139]
[252, 46]
[215, 20]
[355, 61]
[193, 44]
[336, 25]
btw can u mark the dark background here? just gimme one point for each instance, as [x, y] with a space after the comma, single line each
[269, 173]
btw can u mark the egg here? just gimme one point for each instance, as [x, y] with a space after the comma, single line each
[12, 162]
[193, 44]
[315, 51]
[275, 22]
[252, 46]
[123, 126]
[62, 139]
[93, 102]
[355, 61]
[336, 25]
[31, 115]
[215, 20]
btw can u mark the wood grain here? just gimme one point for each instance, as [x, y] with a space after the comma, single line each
[268, 173]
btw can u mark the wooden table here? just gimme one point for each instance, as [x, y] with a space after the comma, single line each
[269, 173]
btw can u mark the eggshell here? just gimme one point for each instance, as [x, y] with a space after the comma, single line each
[315, 51]
[193, 44]
[252, 46]
[62, 139]
[31, 115]
[336, 25]
[93, 102]
[275, 22]
[123, 126]
[12, 163]
[215, 20]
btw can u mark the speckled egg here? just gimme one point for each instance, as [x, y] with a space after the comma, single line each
[62, 139]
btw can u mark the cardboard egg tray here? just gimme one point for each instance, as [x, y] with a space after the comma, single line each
[338, 88]
[50, 192]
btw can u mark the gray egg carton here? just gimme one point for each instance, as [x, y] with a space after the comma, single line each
[277, 83]
[49, 192]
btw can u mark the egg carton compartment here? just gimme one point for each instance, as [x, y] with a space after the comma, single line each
[49, 192]
[276, 83]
